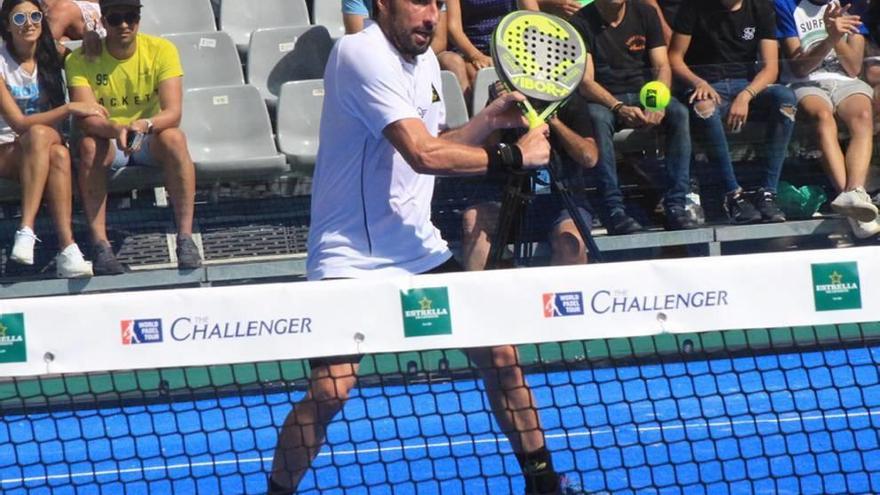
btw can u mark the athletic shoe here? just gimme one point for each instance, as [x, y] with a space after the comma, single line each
[104, 261]
[739, 210]
[567, 487]
[678, 218]
[622, 224]
[274, 488]
[855, 204]
[864, 230]
[23, 248]
[765, 202]
[70, 263]
[188, 256]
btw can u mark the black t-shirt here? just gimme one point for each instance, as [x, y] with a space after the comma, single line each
[670, 9]
[621, 54]
[725, 44]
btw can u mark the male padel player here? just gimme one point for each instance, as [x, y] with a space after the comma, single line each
[381, 146]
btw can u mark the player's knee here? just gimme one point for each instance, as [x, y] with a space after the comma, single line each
[504, 358]
[567, 245]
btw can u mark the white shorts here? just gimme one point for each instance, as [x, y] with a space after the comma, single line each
[834, 91]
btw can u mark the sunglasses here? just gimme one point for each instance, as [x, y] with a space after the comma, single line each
[21, 18]
[116, 19]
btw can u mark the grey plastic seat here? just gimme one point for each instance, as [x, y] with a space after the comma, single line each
[209, 59]
[279, 55]
[299, 118]
[456, 109]
[160, 17]
[485, 78]
[229, 134]
[329, 15]
[240, 18]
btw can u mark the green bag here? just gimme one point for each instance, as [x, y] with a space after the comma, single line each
[799, 202]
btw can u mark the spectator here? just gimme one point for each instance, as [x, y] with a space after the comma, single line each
[571, 132]
[714, 48]
[139, 79]
[355, 13]
[825, 45]
[626, 50]
[32, 150]
[371, 214]
[561, 8]
[471, 23]
[666, 12]
[72, 19]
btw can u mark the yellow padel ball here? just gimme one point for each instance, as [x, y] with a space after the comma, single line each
[654, 95]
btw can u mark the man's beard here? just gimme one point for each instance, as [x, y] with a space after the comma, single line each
[403, 41]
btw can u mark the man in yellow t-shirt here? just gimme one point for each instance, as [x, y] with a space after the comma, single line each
[138, 79]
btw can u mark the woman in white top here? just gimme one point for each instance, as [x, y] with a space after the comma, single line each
[32, 151]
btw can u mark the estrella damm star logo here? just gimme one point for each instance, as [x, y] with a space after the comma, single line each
[3, 329]
[836, 278]
[425, 303]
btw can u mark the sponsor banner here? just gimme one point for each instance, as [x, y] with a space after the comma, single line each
[204, 326]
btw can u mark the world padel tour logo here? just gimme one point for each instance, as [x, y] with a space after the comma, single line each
[836, 286]
[563, 304]
[135, 332]
[426, 312]
[12, 344]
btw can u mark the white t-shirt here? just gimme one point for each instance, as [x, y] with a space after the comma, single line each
[371, 212]
[804, 19]
[24, 87]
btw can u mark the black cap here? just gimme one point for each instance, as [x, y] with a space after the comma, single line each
[107, 4]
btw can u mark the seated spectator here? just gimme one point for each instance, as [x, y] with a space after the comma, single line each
[139, 79]
[871, 18]
[626, 50]
[825, 45]
[73, 19]
[714, 48]
[32, 151]
[570, 132]
[667, 10]
[471, 23]
[356, 12]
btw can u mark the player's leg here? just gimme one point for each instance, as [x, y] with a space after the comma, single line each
[479, 223]
[305, 428]
[514, 408]
[566, 243]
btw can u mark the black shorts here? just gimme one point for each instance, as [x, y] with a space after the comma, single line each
[448, 266]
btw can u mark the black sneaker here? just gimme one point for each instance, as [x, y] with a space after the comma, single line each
[104, 262]
[739, 210]
[188, 256]
[677, 218]
[621, 224]
[765, 202]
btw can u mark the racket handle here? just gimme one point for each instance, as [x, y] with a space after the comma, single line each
[531, 115]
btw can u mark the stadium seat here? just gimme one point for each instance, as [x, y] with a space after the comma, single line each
[229, 134]
[329, 15]
[299, 117]
[209, 59]
[485, 78]
[456, 108]
[161, 17]
[240, 18]
[279, 55]
[9, 190]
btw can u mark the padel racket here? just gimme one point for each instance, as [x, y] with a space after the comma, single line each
[541, 56]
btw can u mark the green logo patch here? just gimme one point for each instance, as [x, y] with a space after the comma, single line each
[426, 312]
[836, 286]
[12, 344]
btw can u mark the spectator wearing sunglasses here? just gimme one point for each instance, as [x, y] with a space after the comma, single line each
[32, 151]
[138, 78]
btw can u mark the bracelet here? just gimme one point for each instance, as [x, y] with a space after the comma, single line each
[616, 107]
[751, 91]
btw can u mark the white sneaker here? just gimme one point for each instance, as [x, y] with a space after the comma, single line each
[70, 263]
[23, 248]
[855, 204]
[864, 230]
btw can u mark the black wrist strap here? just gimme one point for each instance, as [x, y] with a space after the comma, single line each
[504, 158]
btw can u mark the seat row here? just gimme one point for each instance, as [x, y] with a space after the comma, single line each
[238, 18]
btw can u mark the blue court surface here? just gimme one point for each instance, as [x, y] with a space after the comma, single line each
[773, 424]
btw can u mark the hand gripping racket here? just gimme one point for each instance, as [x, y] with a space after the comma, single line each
[541, 56]
[544, 58]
